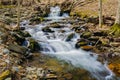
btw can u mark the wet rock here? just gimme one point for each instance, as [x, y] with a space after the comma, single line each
[70, 36]
[81, 42]
[87, 48]
[33, 45]
[22, 28]
[17, 48]
[47, 29]
[86, 35]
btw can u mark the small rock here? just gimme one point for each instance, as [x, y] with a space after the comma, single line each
[6, 51]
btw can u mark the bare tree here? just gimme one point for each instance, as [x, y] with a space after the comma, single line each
[18, 14]
[118, 14]
[100, 14]
[115, 29]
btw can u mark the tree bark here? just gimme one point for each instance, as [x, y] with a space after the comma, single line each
[118, 14]
[18, 14]
[100, 14]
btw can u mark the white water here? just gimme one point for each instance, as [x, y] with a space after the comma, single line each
[54, 44]
[55, 13]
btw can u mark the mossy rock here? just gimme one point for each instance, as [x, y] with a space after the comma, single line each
[115, 30]
[81, 43]
[34, 46]
[70, 36]
[86, 34]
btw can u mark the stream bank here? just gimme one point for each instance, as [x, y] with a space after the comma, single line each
[105, 47]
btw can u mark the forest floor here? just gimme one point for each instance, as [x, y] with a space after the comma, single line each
[60, 70]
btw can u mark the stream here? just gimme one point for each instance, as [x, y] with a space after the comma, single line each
[55, 44]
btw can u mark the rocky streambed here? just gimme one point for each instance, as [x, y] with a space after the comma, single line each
[21, 58]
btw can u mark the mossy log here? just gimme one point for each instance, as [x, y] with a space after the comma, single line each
[115, 30]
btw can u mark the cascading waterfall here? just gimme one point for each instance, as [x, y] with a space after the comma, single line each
[55, 13]
[54, 44]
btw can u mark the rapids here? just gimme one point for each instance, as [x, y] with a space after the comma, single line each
[55, 44]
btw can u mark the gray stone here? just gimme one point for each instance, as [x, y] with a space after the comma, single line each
[6, 51]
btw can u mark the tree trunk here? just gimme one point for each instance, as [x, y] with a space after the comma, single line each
[18, 14]
[100, 13]
[118, 14]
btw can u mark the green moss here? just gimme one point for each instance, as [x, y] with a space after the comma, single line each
[83, 13]
[34, 46]
[7, 6]
[115, 30]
